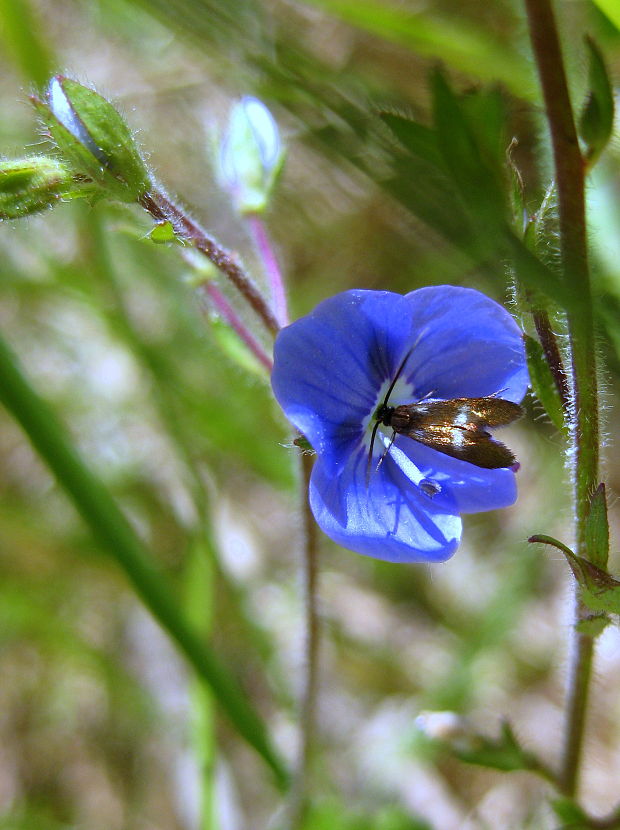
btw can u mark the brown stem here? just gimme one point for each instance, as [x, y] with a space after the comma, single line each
[162, 209]
[569, 176]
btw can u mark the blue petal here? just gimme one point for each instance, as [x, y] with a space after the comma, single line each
[329, 368]
[458, 485]
[387, 518]
[468, 346]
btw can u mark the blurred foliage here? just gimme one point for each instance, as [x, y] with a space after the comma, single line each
[96, 706]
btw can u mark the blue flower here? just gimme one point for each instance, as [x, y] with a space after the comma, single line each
[332, 370]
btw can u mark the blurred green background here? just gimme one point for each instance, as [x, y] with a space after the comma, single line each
[101, 725]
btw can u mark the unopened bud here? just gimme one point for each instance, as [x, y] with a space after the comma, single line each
[442, 726]
[94, 139]
[251, 155]
[30, 185]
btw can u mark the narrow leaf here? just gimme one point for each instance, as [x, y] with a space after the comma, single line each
[599, 590]
[459, 44]
[503, 753]
[23, 38]
[570, 813]
[117, 537]
[597, 528]
[543, 382]
[597, 117]
[417, 138]
[463, 156]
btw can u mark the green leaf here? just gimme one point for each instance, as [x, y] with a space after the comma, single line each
[418, 139]
[502, 753]
[543, 383]
[486, 113]
[464, 157]
[23, 39]
[610, 9]
[600, 591]
[459, 44]
[597, 528]
[570, 814]
[597, 117]
[117, 537]
[94, 139]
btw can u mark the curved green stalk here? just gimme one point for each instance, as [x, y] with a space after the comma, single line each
[584, 416]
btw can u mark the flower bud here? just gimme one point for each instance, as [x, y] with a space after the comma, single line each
[251, 155]
[29, 185]
[94, 139]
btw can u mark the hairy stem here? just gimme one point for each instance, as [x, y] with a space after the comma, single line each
[162, 208]
[272, 268]
[569, 173]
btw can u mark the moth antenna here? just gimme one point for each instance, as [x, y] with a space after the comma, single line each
[386, 450]
[398, 373]
[378, 421]
[384, 404]
[372, 446]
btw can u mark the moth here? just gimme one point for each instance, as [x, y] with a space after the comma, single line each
[456, 427]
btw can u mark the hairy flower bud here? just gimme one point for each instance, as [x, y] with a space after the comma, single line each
[251, 155]
[94, 139]
[29, 185]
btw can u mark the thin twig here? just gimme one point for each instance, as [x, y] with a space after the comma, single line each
[162, 208]
[569, 176]
[272, 268]
[309, 570]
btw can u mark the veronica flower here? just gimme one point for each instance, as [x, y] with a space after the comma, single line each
[332, 370]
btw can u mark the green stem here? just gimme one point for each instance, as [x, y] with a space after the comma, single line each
[569, 174]
[118, 539]
[309, 571]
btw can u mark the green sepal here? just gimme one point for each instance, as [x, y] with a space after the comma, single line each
[94, 139]
[543, 383]
[30, 185]
[418, 139]
[597, 528]
[597, 117]
[600, 591]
